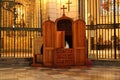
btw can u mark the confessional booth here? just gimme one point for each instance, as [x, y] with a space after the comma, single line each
[64, 42]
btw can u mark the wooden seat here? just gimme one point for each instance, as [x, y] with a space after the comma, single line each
[37, 56]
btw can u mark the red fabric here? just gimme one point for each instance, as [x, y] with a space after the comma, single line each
[89, 63]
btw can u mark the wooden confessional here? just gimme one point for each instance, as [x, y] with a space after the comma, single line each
[56, 35]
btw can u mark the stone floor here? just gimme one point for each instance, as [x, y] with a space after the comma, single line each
[42, 73]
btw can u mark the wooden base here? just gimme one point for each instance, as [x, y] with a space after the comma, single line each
[81, 67]
[36, 65]
[71, 67]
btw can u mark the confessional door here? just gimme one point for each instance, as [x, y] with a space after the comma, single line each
[60, 43]
[49, 42]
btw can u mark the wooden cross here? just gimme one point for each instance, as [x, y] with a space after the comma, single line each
[63, 9]
[69, 4]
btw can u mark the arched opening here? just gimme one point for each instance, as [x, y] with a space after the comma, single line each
[66, 25]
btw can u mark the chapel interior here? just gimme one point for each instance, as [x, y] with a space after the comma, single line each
[22, 24]
[59, 39]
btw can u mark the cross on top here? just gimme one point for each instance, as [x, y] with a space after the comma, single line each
[69, 4]
[63, 9]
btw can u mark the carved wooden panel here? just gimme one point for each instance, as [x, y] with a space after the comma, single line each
[63, 57]
[80, 33]
[80, 56]
[48, 57]
[79, 42]
[49, 32]
[48, 42]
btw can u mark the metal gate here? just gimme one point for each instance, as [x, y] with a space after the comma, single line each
[103, 29]
[19, 27]
[20, 23]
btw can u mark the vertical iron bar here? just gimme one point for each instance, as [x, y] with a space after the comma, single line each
[87, 35]
[118, 45]
[96, 30]
[102, 41]
[108, 37]
[29, 38]
[108, 42]
[41, 17]
[118, 34]
[0, 25]
[78, 7]
[2, 22]
[101, 32]
[115, 28]
[93, 22]
[111, 33]
[14, 26]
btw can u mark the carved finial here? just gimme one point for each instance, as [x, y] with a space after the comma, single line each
[63, 9]
[48, 17]
[69, 4]
[79, 16]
